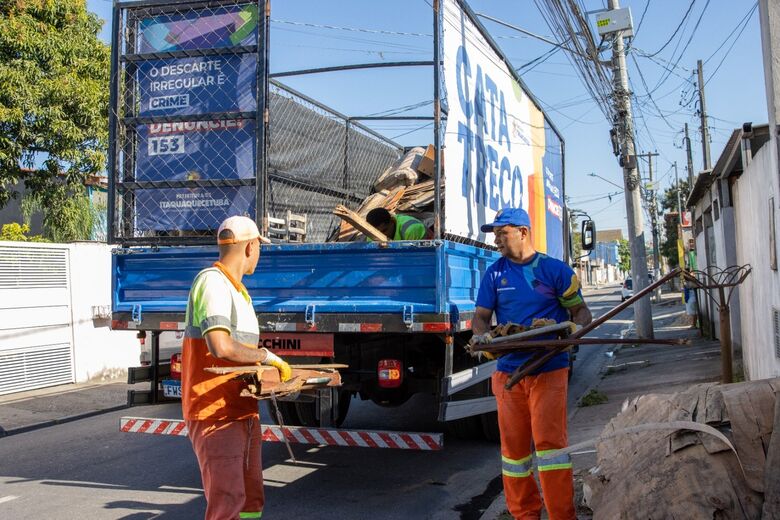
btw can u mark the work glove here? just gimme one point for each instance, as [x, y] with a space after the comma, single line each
[271, 359]
[481, 339]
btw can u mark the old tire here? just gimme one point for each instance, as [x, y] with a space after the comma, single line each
[307, 412]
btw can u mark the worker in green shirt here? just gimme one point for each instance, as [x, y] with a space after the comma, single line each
[396, 227]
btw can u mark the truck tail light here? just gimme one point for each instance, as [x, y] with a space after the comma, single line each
[176, 366]
[390, 373]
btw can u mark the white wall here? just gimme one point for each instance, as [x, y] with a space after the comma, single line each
[99, 353]
[761, 291]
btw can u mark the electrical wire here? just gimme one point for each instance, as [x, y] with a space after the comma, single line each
[736, 39]
[684, 18]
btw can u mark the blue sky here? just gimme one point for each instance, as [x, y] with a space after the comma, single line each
[312, 33]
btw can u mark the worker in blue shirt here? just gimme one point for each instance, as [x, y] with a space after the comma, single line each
[522, 286]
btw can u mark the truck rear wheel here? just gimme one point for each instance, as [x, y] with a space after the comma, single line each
[307, 412]
[288, 412]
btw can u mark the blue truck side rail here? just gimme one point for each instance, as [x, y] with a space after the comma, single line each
[420, 286]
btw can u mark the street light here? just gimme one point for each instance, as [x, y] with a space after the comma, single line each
[606, 180]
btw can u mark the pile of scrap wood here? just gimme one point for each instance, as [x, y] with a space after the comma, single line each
[406, 187]
[262, 382]
[657, 471]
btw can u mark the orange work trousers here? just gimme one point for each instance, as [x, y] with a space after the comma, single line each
[533, 413]
[229, 456]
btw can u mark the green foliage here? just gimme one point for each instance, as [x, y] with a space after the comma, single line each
[73, 217]
[669, 199]
[54, 76]
[669, 203]
[577, 244]
[669, 245]
[593, 398]
[16, 232]
[624, 254]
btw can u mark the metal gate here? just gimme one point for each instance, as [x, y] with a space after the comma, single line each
[36, 330]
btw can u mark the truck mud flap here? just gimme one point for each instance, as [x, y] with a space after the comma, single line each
[300, 435]
[450, 410]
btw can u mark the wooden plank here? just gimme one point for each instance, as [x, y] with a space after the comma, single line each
[714, 407]
[256, 368]
[747, 435]
[772, 470]
[359, 223]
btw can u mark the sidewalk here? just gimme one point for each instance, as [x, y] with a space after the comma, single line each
[25, 411]
[632, 371]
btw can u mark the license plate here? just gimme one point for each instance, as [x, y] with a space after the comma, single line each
[304, 344]
[171, 388]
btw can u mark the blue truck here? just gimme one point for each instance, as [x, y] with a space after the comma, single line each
[200, 129]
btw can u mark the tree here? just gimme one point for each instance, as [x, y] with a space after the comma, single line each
[669, 198]
[75, 218]
[624, 254]
[672, 222]
[16, 232]
[54, 76]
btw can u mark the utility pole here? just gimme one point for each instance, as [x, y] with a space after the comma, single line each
[705, 133]
[643, 317]
[653, 203]
[679, 201]
[690, 157]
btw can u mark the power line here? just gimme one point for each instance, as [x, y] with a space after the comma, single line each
[641, 19]
[685, 17]
[736, 39]
[741, 21]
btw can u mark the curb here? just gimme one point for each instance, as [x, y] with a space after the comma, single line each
[61, 420]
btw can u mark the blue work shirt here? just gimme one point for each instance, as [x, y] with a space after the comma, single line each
[542, 287]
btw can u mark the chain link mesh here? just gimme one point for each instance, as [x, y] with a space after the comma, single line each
[188, 132]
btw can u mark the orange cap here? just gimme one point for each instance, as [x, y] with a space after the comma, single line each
[243, 229]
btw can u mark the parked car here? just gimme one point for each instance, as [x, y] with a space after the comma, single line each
[627, 289]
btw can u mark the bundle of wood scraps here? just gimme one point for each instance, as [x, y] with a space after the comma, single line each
[710, 451]
[405, 187]
[262, 382]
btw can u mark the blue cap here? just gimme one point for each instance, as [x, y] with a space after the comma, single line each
[508, 217]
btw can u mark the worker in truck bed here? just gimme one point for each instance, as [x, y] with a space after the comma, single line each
[519, 287]
[222, 330]
[397, 227]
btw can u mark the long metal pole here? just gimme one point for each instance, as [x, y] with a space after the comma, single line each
[113, 118]
[679, 200]
[705, 132]
[262, 116]
[538, 361]
[438, 218]
[643, 318]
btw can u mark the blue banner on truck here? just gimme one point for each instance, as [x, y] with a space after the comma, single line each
[203, 85]
[207, 28]
[191, 209]
[192, 151]
[195, 150]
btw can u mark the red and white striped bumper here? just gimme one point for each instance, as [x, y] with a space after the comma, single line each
[301, 435]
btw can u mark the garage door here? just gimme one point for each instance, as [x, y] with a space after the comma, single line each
[36, 336]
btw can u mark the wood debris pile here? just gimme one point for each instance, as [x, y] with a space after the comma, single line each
[659, 474]
[405, 187]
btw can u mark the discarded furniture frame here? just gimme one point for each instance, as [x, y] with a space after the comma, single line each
[725, 281]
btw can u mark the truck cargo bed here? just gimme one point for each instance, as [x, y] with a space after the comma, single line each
[339, 287]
